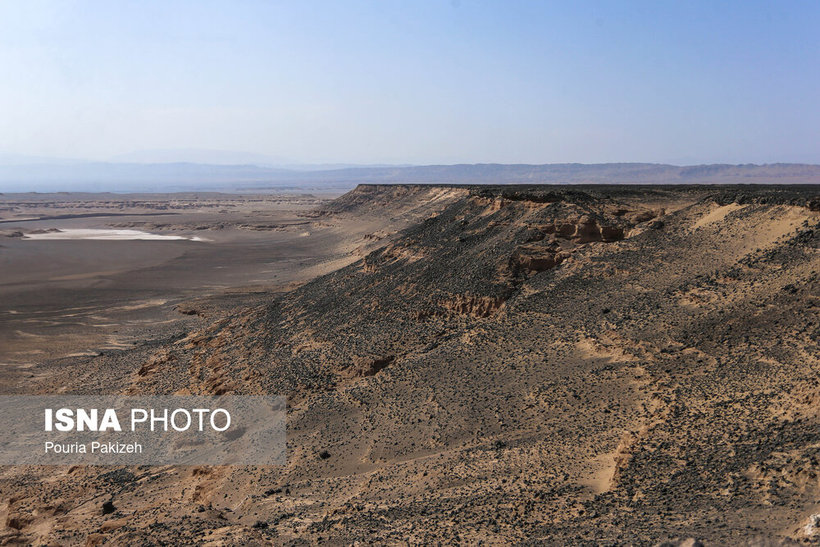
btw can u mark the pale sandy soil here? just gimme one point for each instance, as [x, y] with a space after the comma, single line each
[98, 234]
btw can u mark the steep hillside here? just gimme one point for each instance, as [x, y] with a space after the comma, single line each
[601, 364]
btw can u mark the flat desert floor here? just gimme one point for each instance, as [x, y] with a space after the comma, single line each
[463, 364]
[89, 273]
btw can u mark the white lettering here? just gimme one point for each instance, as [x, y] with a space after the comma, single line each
[227, 419]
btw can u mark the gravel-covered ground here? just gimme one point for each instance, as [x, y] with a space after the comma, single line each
[499, 364]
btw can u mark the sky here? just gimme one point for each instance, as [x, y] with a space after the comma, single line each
[411, 82]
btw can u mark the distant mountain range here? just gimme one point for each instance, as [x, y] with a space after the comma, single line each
[100, 176]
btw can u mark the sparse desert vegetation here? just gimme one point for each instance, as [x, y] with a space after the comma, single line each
[499, 364]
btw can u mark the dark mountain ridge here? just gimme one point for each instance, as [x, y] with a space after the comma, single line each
[180, 176]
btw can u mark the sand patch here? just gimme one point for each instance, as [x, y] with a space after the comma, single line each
[602, 471]
[80, 276]
[141, 305]
[717, 214]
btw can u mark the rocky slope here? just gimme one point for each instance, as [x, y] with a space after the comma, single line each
[522, 363]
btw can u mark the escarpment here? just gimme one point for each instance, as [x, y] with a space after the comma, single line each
[461, 263]
[556, 364]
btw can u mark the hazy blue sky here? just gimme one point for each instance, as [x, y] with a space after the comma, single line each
[414, 82]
